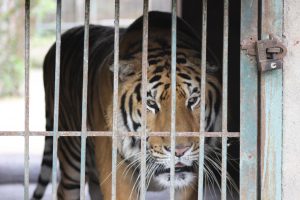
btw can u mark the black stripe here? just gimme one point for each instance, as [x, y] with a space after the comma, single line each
[139, 113]
[158, 69]
[70, 148]
[68, 186]
[47, 162]
[137, 91]
[210, 99]
[68, 161]
[43, 182]
[185, 76]
[167, 86]
[124, 114]
[155, 78]
[153, 61]
[156, 85]
[180, 60]
[68, 177]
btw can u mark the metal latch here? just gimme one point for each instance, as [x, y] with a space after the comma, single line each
[269, 53]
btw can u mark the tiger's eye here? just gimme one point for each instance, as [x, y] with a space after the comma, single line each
[193, 100]
[151, 103]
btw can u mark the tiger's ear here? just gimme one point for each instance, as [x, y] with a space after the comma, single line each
[210, 68]
[126, 69]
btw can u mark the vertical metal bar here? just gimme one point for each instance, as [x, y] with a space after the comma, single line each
[144, 95]
[115, 101]
[56, 98]
[173, 101]
[225, 99]
[202, 105]
[271, 107]
[84, 98]
[248, 105]
[27, 56]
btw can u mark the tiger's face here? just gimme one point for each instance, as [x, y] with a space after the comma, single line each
[188, 89]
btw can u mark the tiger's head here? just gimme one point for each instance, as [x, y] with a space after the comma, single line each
[158, 100]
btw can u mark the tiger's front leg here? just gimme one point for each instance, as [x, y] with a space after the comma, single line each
[124, 182]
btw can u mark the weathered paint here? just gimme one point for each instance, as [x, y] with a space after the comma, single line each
[291, 105]
[271, 108]
[248, 105]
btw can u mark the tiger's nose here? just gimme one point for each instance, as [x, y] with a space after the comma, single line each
[180, 150]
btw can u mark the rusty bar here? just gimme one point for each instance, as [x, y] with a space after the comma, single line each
[84, 98]
[115, 101]
[224, 99]
[120, 134]
[202, 106]
[26, 134]
[144, 100]
[56, 98]
[173, 101]
[248, 104]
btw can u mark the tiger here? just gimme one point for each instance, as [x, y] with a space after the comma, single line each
[129, 112]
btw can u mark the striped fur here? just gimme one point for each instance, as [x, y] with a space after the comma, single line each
[129, 115]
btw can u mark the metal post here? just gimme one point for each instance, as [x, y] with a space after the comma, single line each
[56, 98]
[26, 134]
[115, 101]
[84, 99]
[173, 101]
[225, 99]
[144, 96]
[202, 106]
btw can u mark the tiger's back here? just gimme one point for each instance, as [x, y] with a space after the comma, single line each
[101, 42]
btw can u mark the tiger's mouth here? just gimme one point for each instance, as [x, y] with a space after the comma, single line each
[177, 170]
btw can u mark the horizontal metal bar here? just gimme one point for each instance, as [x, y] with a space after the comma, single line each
[120, 134]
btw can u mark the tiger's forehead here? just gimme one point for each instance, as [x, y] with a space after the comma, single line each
[188, 76]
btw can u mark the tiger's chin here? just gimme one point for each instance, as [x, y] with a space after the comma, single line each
[184, 177]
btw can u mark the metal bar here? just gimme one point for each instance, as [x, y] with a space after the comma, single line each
[173, 100]
[56, 98]
[115, 101]
[27, 56]
[225, 99]
[144, 99]
[248, 105]
[120, 134]
[271, 108]
[84, 98]
[202, 106]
